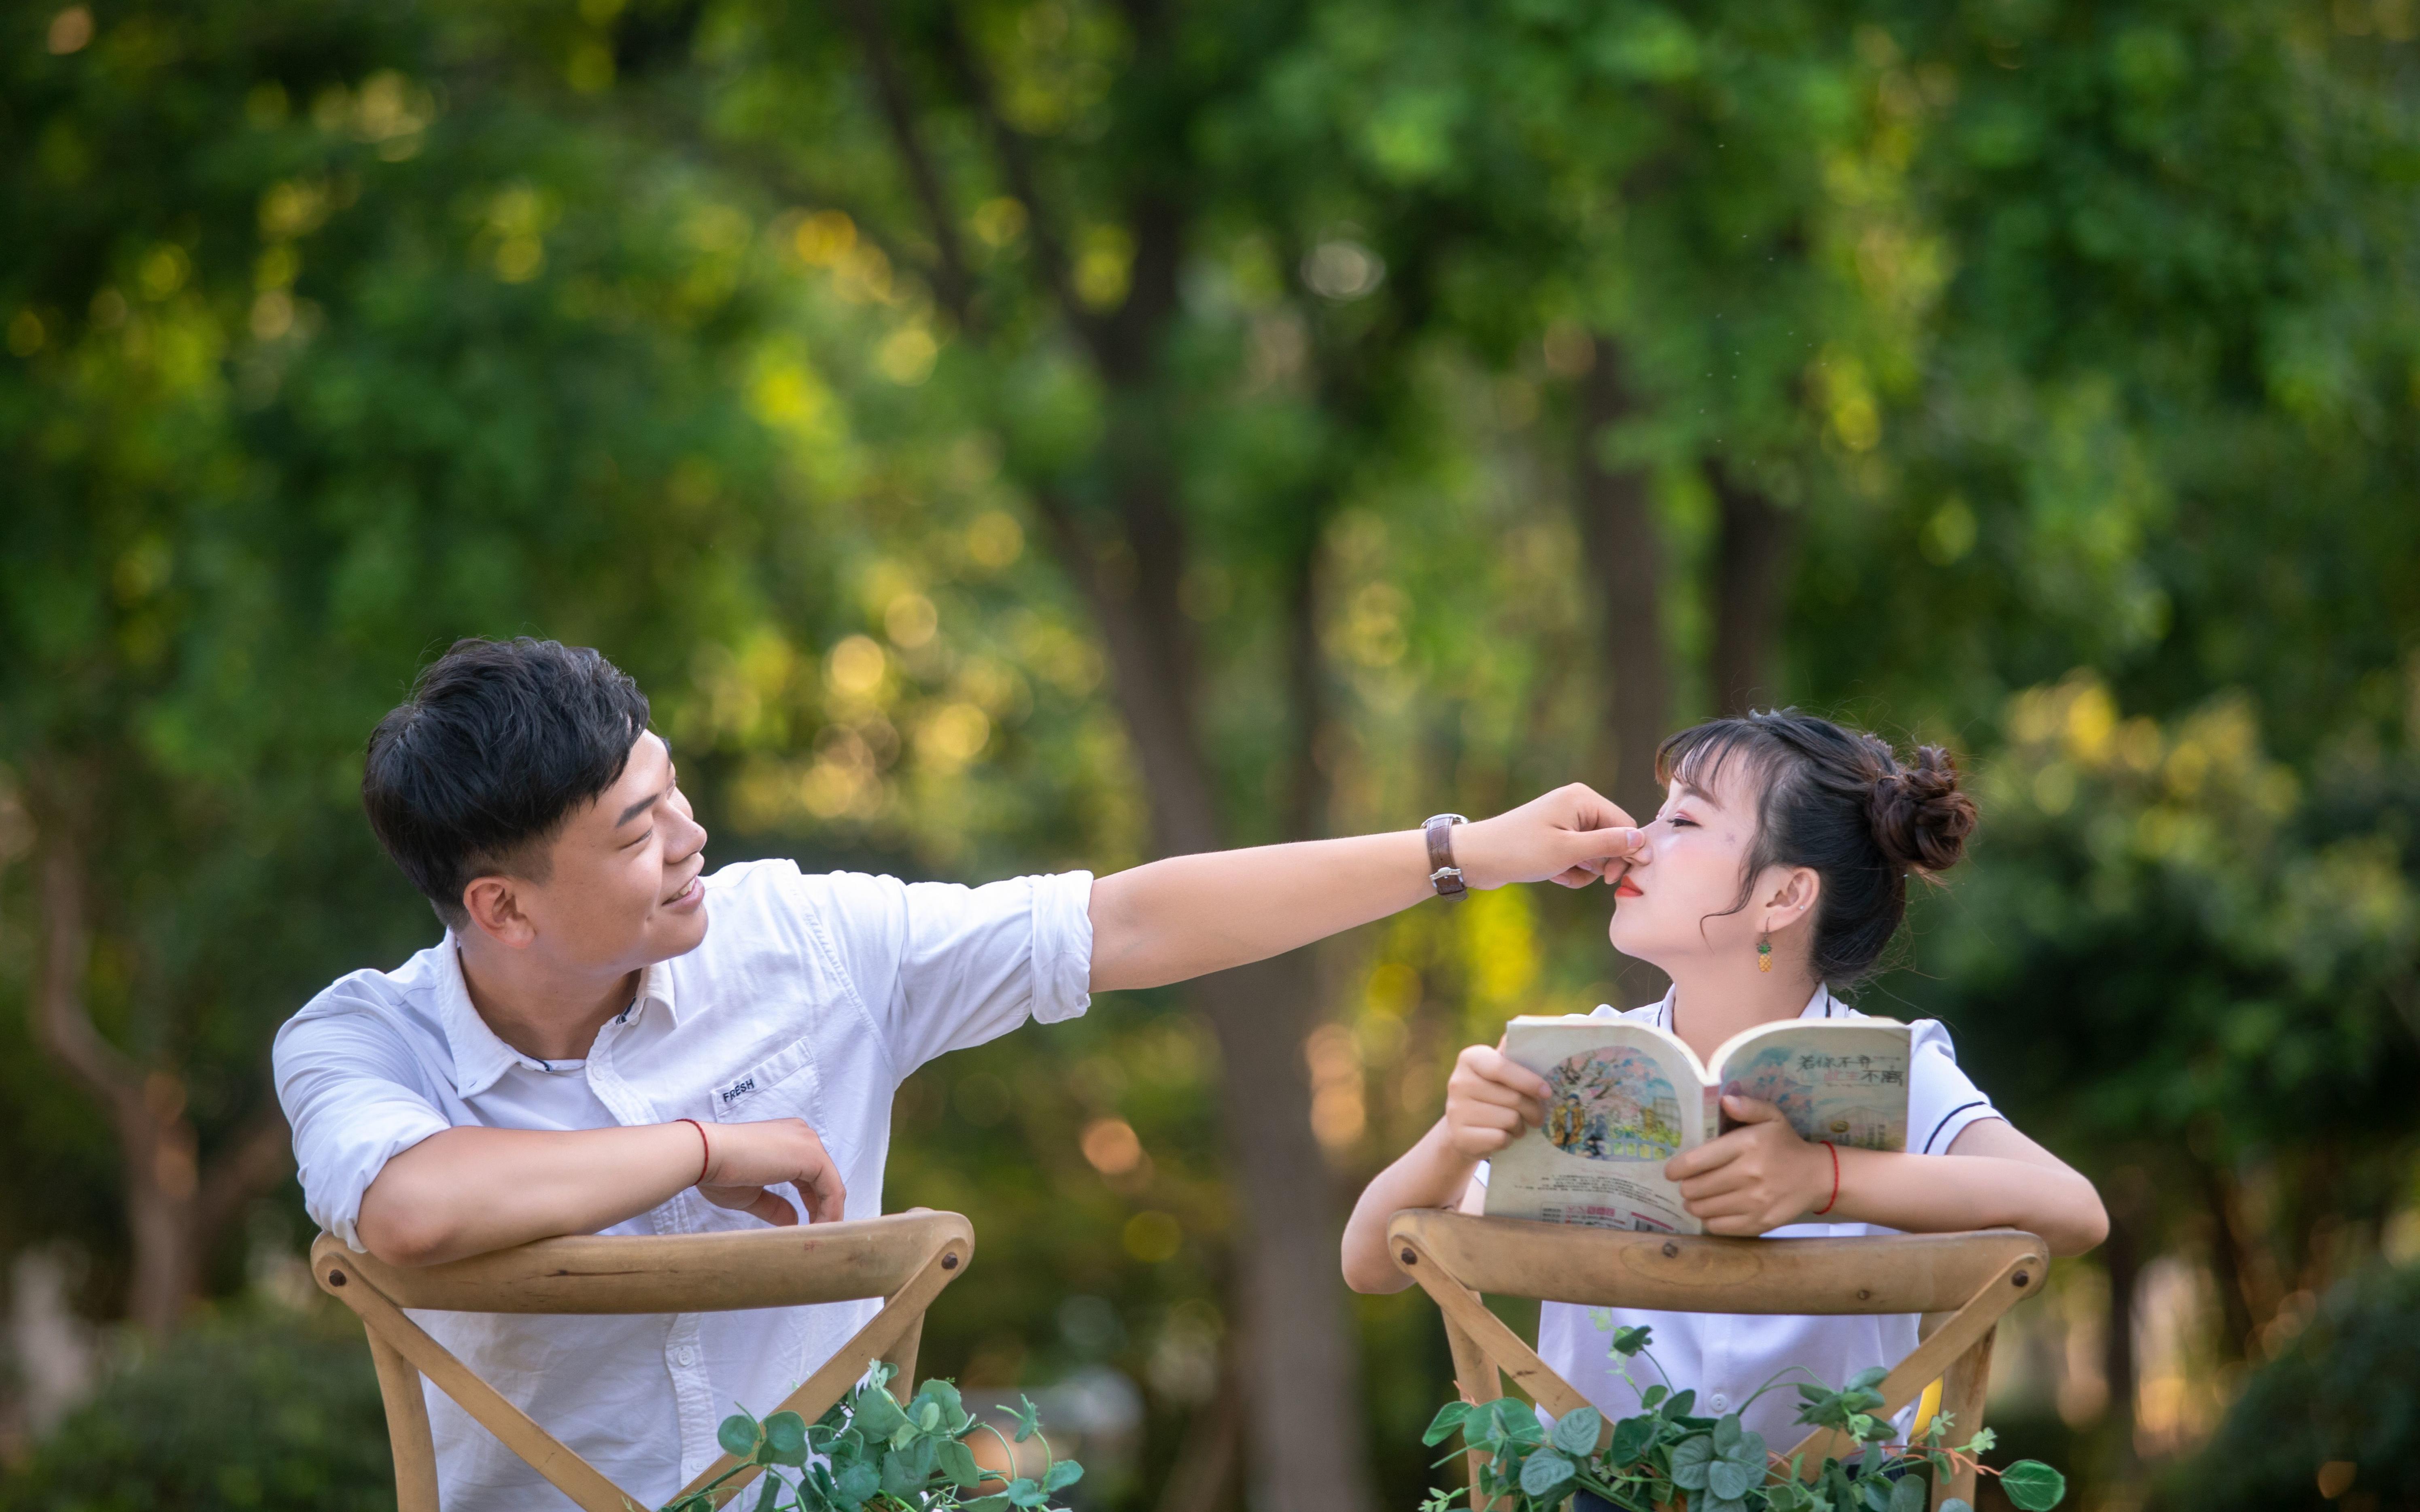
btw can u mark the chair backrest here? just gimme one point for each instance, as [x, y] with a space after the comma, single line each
[1962, 1282]
[905, 1260]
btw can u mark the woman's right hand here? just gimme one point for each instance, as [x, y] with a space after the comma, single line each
[1489, 1099]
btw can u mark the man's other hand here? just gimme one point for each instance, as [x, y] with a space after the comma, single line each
[745, 1161]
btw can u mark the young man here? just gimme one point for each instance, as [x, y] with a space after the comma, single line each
[608, 1040]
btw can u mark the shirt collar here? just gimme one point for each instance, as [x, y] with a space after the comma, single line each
[1821, 1006]
[480, 1055]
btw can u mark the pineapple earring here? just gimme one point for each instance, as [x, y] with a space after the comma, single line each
[1765, 953]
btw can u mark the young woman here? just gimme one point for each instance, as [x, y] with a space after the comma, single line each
[1785, 831]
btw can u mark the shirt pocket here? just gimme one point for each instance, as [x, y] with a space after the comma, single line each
[783, 1085]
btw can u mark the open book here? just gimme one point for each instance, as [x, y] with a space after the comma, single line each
[1628, 1096]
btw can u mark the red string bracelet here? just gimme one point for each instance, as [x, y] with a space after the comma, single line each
[1829, 1149]
[704, 1164]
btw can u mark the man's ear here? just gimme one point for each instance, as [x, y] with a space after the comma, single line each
[1793, 899]
[493, 903]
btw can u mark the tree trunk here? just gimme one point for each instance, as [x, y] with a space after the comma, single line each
[1755, 544]
[1302, 1399]
[174, 1214]
[1625, 569]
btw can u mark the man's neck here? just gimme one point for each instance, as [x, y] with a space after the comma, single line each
[1711, 1002]
[543, 1015]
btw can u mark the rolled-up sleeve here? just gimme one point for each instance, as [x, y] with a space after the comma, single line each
[942, 966]
[355, 1099]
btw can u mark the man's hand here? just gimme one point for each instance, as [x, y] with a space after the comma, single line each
[1572, 836]
[1759, 1176]
[1489, 1099]
[744, 1161]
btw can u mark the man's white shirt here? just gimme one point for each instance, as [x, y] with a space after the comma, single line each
[1726, 1356]
[812, 997]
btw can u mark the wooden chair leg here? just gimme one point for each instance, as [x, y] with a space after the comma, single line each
[1964, 1386]
[900, 1357]
[1475, 1377]
[407, 1426]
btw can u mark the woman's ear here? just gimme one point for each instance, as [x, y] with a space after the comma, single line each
[1791, 897]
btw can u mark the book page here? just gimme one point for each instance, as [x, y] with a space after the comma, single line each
[1627, 1098]
[1842, 1081]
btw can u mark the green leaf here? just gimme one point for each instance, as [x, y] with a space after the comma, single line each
[996, 1501]
[1631, 1437]
[1064, 1473]
[1024, 1492]
[1727, 1435]
[856, 1484]
[769, 1495]
[877, 1414]
[1653, 1395]
[1679, 1406]
[954, 1409]
[1983, 1442]
[1576, 1431]
[1907, 1494]
[1544, 1472]
[1691, 1459]
[2032, 1486]
[1868, 1380]
[1875, 1492]
[1728, 1481]
[785, 1435]
[1441, 1427]
[1028, 1418]
[956, 1460]
[737, 1435]
[1629, 1341]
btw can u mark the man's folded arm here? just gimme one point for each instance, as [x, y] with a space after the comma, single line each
[467, 1191]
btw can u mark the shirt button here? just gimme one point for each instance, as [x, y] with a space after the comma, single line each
[684, 1357]
[1719, 1402]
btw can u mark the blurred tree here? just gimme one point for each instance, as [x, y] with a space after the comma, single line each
[314, 371]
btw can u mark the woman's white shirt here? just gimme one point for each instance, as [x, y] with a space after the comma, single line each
[1726, 1356]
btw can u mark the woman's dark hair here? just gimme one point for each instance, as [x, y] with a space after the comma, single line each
[499, 741]
[1841, 803]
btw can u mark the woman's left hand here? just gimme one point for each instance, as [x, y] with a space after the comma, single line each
[1759, 1176]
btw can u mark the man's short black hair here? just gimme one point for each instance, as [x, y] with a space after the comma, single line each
[499, 741]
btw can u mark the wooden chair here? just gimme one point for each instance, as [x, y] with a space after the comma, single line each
[1962, 1282]
[905, 1260]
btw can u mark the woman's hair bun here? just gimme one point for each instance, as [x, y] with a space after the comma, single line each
[1921, 819]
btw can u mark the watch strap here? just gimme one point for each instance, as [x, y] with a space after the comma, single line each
[1444, 875]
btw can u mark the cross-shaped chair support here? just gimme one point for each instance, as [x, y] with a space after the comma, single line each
[1963, 1281]
[905, 1260]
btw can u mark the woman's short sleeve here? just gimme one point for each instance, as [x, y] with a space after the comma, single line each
[1942, 1100]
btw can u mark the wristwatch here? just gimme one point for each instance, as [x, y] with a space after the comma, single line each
[1444, 875]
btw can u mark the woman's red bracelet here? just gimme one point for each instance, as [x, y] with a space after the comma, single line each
[707, 1163]
[1829, 1149]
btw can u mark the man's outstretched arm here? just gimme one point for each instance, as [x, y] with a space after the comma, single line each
[1189, 915]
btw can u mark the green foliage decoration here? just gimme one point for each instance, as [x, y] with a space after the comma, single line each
[872, 1452]
[1671, 1456]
